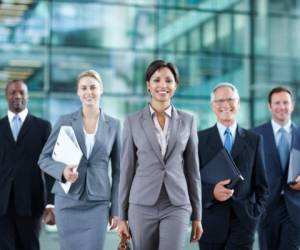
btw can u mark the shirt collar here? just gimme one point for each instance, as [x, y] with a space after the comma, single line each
[21, 114]
[167, 111]
[276, 126]
[222, 128]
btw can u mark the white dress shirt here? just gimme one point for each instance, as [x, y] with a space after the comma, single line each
[222, 128]
[162, 135]
[22, 115]
[287, 127]
[90, 140]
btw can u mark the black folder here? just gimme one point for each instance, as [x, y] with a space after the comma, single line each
[294, 166]
[220, 168]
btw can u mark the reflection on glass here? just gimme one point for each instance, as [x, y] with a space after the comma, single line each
[102, 26]
[47, 43]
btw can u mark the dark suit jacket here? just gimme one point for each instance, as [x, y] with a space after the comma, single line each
[277, 179]
[249, 197]
[19, 172]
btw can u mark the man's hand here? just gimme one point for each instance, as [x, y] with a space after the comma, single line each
[70, 173]
[296, 186]
[48, 216]
[221, 193]
[197, 231]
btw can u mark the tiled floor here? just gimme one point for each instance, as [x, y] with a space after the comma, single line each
[49, 241]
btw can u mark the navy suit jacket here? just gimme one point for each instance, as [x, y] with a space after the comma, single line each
[278, 179]
[20, 174]
[250, 195]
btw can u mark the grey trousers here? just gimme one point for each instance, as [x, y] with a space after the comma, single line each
[159, 227]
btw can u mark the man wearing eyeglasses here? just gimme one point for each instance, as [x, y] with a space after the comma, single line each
[230, 214]
[279, 228]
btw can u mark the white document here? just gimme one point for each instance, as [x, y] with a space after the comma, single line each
[294, 166]
[67, 151]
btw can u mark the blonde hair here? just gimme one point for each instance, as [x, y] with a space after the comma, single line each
[91, 73]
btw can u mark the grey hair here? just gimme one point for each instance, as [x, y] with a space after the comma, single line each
[224, 84]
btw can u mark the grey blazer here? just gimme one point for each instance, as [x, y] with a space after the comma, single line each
[144, 170]
[93, 171]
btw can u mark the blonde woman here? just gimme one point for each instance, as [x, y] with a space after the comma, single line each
[82, 214]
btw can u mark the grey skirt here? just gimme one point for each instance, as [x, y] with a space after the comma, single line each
[81, 224]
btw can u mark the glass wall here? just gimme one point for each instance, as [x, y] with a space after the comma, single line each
[252, 44]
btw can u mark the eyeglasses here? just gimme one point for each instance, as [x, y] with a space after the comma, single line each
[222, 101]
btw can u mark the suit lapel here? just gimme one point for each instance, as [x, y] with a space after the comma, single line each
[25, 127]
[269, 137]
[102, 131]
[214, 140]
[148, 127]
[174, 124]
[216, 144]
[238, 144]
[8, 133]
[295, 137]
[77, 125]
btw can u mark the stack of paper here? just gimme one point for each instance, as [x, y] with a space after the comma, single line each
[67, 151]
[294, 166]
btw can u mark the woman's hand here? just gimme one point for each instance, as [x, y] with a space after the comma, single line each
[123, 229]
[113, 222]
[70, 173]
[197, 230]
[48, 216]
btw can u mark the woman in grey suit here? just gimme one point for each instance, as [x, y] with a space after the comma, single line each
[82, 214]
[160, 190]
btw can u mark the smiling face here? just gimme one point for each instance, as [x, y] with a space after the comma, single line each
[281, 107]
[162, 85]
[89, 91]
[225, 105]
[17, 96]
